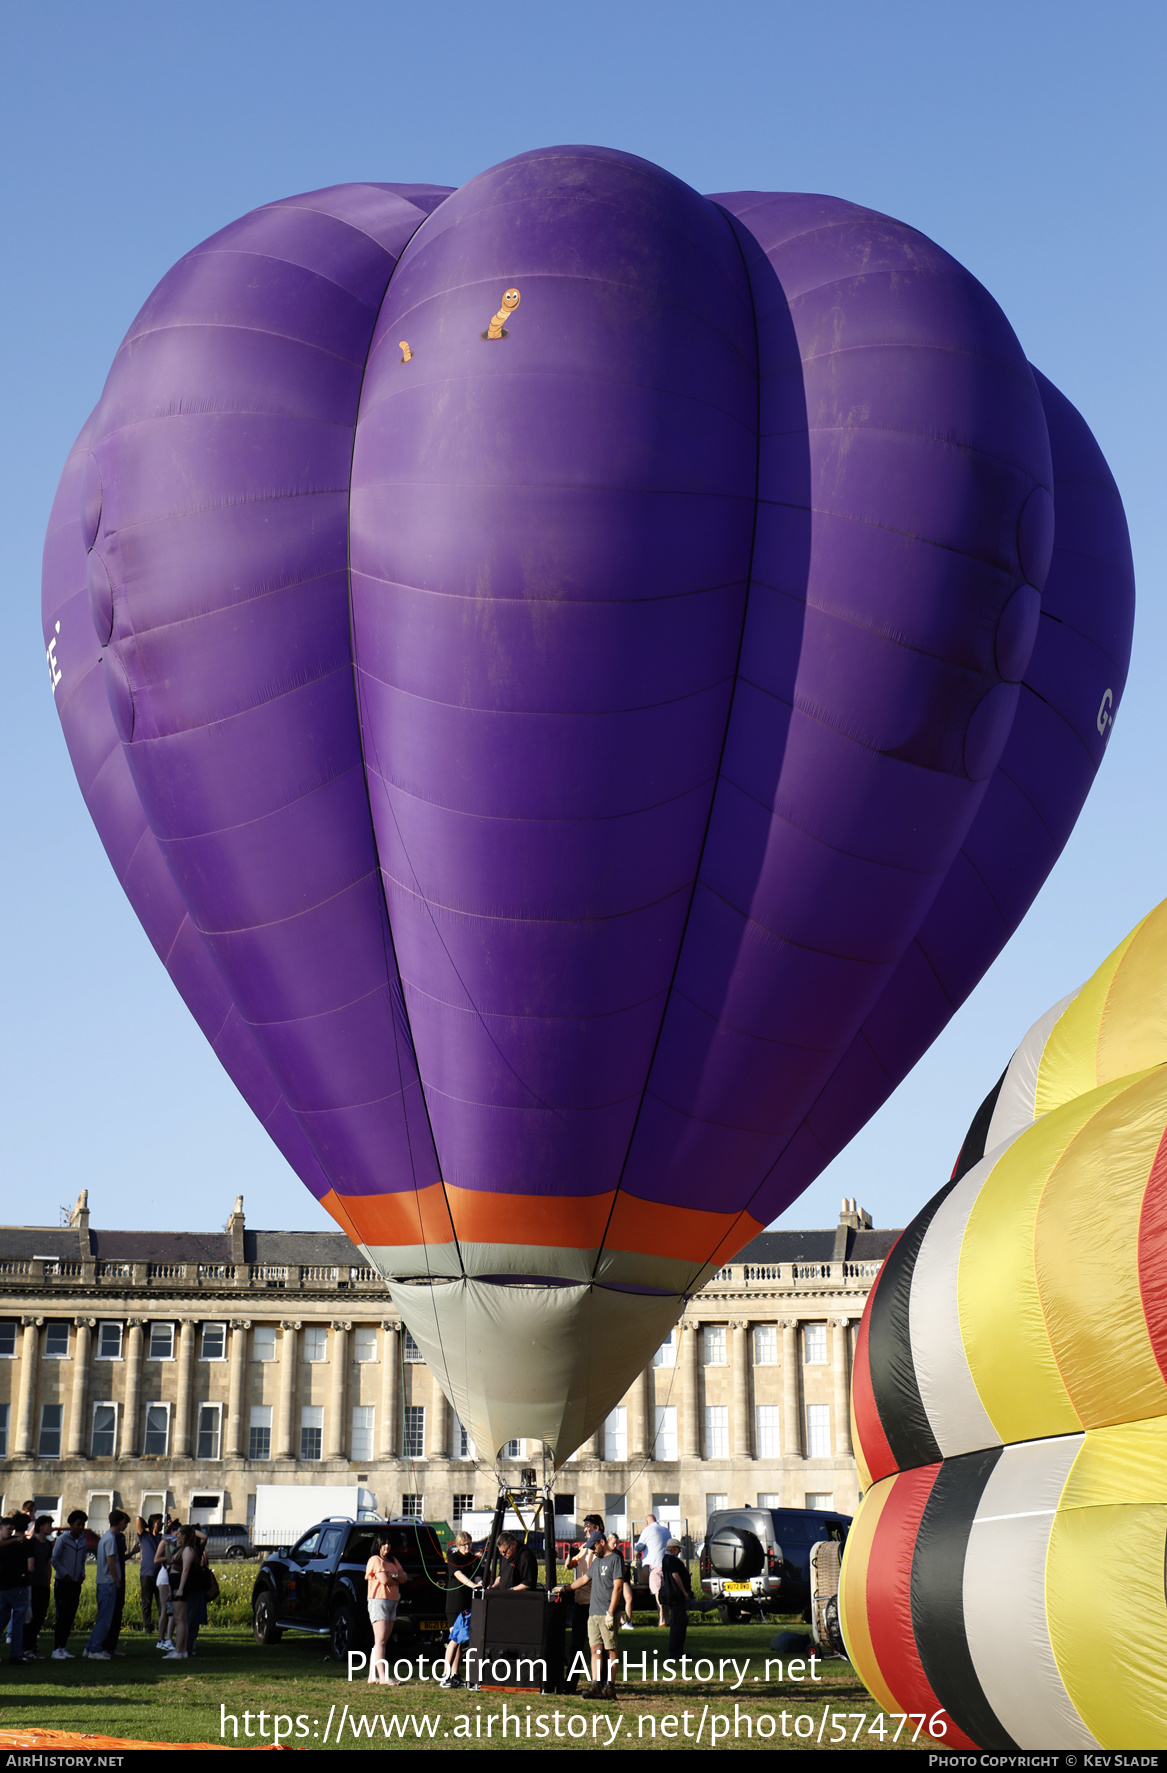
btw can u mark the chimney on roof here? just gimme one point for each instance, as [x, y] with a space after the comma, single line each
[851, 1218]
[235, 1229]
[80, 1218]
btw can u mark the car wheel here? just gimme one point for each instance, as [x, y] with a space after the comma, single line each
[234, 1551]
[342, 1631]
[263, 1618]
[728, 1613]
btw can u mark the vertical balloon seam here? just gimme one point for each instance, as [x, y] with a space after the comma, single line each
[389, 947]
[893, 1381]
[733, 228]
[973, 1148]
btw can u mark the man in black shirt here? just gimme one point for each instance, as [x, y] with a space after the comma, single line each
[519, 1568]
[16, 1571]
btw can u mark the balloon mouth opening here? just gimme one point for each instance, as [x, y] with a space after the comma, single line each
[534, 1280]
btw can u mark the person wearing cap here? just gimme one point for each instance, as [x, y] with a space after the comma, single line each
[676, 1594]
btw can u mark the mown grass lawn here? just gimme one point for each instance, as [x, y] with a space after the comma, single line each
[231, 1677]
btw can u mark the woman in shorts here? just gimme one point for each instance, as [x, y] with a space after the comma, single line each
[383, 1577]
[461, 1581]
[162, 1591]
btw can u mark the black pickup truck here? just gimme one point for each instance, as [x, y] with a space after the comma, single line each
[317, 1586]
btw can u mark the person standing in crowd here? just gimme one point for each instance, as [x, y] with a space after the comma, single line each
[16, 1573]
[186, 1566]
[461, 1569]
[68, 1560]
[149, 1539]
[518, 1567]
[162, 1593]
[383, 1578]
[41, 1547]
[196, 1613]
[606, 1577]
[580, 1594]
[115, 1630]
[676, 1593]
[651, 1545]
[111, 1585]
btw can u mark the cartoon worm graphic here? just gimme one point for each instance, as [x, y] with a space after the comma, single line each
[510, 302]
[406, 352]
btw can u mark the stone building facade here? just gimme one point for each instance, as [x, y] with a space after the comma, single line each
[153, 1369]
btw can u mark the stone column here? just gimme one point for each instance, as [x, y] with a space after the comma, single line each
[128, 1440]
[234, 1435]
[791, 1425]
[639, 1435]
[390, 1389]
[186, 1337]
[441, 1428]
[29, 1352]
[334, 1435]
[283, 1444]
[742, 1438]
[841, 1329]
[690, 1435]
[75, 1444]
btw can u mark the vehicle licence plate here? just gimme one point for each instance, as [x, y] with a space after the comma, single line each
[432, 1625]
[735, 1588]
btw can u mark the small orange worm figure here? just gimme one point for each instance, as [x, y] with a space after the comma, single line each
[406, 352]
[496, 329]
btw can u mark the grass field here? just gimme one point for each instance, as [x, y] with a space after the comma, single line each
[729, 1689]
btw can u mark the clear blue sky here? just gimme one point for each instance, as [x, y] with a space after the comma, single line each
[1027, 138]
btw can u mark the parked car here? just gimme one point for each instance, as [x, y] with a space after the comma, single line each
[227, 1540]
[756, 1559]
[317, 1586]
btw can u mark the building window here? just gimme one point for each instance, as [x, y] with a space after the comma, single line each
[463, 1445]
[362, 1439]
[413, 1505]
[818, 1431]
[105, 1429]
[210, 1426]
[664, 1445]
[463, 1504]
[259, 1432]
[316, 1343]
[615, 1442]
[666, 1354]
[715, 1502]
[821, 1500]
[716, 1432]
[157, 1442]
[769, 1499]
[263, 1342]
[4, 1431]
[616, 1512]
[8, 1339]
[766, 1431]
[415, 1431]
[512, 1450]
[714, 1335]
[214, 1344]
[312, 1431]
[410, 1351]
[365, 1342]
[766, 1345]
[109, 1342]
[161, 1343]
[49, 1442]
[814, 1344]
[57, 1342]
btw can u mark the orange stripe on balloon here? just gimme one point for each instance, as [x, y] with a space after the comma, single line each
[1153, 1255]
[577, 1222]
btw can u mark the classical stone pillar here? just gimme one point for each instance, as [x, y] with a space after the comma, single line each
[791, 1423]
[390, 1390]
[440, 1428]
[334, 1435]
[641, 1419]
[30, 1349]
[234, 1436]
[740, 1356]
[75, 1443]
[186, 1339]
[841, 1328]
[128, 1440]
[283, 1446]
[690, 1435]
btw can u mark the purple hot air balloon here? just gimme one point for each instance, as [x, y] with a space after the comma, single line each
[578, 680]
